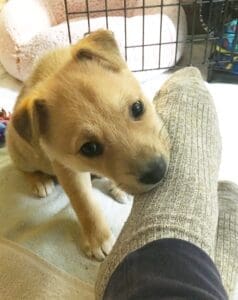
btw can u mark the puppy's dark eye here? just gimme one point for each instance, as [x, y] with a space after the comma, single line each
[91, 149]
[137, 109]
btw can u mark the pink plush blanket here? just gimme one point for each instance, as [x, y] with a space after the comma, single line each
[31, 27]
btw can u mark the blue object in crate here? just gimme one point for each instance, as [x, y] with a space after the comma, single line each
[226, 54]
[229, 41]
[225, 62]
[2, 131]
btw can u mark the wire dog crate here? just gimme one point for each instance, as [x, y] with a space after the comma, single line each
[210, 40]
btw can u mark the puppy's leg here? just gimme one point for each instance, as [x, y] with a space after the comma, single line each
[97, 237]
[108, 187]
[42, 184]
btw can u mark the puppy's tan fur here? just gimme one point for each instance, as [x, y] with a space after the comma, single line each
[76, 95]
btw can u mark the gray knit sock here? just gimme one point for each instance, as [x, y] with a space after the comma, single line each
[226, 255]
[184, 205]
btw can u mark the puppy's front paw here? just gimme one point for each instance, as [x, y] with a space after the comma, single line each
[117, 194]
[98, 246]
[42, 184]
[109, 187]
[43, 188]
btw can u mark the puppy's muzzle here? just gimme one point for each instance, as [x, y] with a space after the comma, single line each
[154, 171]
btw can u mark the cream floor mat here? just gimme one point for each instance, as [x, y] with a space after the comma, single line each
[48, 226]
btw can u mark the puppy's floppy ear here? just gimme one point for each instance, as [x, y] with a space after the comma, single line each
[100, 46]
[31, 119]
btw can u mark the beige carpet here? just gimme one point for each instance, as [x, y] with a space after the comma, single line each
[25, 276]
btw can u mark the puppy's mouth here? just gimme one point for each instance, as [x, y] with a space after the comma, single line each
[138, 189]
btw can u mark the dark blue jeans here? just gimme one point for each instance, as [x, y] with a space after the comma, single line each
[166, 269]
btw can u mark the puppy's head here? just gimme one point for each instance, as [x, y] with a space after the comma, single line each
[93, 117]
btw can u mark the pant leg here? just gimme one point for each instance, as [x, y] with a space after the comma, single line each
[166, 269]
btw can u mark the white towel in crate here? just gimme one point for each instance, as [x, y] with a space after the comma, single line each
[29, 28]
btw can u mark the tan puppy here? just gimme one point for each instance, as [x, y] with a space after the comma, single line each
[81, 112]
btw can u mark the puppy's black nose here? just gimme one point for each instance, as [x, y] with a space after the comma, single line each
[155, 171]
